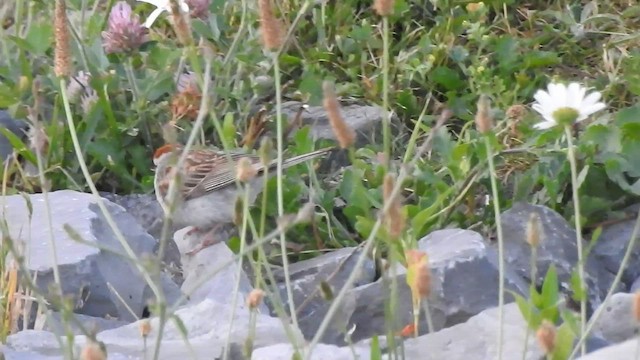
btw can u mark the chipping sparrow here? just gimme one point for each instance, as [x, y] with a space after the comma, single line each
[206, 187]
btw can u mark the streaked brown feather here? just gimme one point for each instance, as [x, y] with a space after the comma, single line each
[208, 170]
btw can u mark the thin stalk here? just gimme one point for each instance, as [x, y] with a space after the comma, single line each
[386, 126]
[496, 210]
[136, 100]
[162, 321]
[94, 191]
[614, 285]
[132, 79]
[47, 205]
[236, 288]
[578, 226]
[416, 130]
[280, 140]
[534, 271]
[52, 242]
[404, 171]
[427, 315]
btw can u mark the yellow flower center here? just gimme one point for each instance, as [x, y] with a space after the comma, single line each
[566, 115]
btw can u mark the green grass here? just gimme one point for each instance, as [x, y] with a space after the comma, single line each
[441, 57]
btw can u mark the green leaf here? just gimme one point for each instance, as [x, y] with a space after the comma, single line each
[564, 342]
[536, 297]
[234, 244]
[582, 176]
[364, 225]
[550, 288]
[40, 37]
[228, 128]
[578, 290]
[535, 59]
[527, 310]
[8, 96]
[18, 145]
[447, 78]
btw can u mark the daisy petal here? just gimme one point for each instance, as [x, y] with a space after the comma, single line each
[540, 109]
[593, 109]
[544, 125]
[152, 17]
[543, 98]
[592, 98]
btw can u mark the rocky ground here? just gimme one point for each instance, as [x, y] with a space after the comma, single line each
[462, 304]
[111, 295]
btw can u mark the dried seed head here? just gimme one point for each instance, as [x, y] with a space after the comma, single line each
[484, 121]
[418, 272]
[473, 7]
[180, 21]
[245, 170]
[343, 132]
[636, 306]
[516, 112]
[124, 33]
[383, 7]
[534, 230]
[186, 102]
[62, 55]
[38, 139]
[93, 351]
[306, 212]
[546, 336]
[394, 218]
[145, 327]
[270, 27]
[255, 298]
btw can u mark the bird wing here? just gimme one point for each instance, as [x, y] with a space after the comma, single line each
[211, 170]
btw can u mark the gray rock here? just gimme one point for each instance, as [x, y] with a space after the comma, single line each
[32, 344]
[476, 339]
[611, 247]
[365, 120]
[89, 323]
[86, 271]
[455, 295]
[206, 324]
[16, 127]
[635, 286]
[333, 268]
[558, 246]
[212, 272]
[143, 207]
[623, 351]
[320, 352]
[616, 323]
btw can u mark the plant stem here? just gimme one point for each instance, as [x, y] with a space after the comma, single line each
[533, 267]
[280, 140]
[236, 288]
[496, 210]
[578, 227]
[386, 127]
[368, 243]
[614, 285]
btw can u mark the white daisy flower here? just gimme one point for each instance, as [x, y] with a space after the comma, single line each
[162, 6]
[562, 104]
